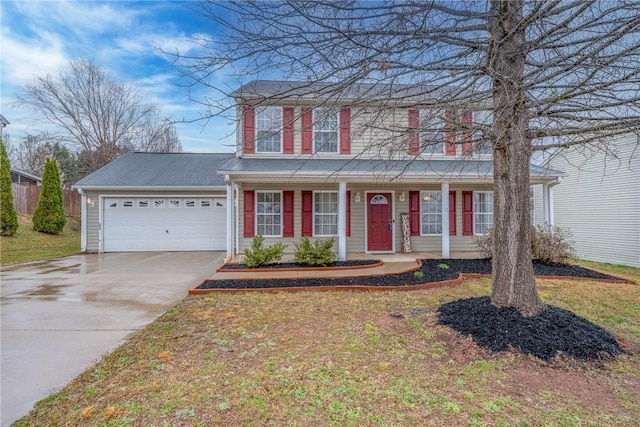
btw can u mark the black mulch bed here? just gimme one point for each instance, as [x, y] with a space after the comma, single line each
[431, 270]
[349, 263]
[553, 332]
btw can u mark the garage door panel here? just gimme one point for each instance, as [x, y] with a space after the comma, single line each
[164, 224]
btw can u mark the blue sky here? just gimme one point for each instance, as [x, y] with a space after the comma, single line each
[122, 37]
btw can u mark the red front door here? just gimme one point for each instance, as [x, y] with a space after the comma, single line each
[379, 225]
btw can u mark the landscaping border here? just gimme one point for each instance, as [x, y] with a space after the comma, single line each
[378, 263]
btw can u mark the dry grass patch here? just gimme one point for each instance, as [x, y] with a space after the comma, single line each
[339, 358]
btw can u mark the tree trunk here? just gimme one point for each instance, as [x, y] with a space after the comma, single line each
[513, 281]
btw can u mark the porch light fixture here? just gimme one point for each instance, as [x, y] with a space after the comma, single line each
[426, 197]
[357, 198]
[402, 196]
[90, 203]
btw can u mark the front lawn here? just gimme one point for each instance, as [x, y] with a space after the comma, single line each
[28, 245]
[340, 358]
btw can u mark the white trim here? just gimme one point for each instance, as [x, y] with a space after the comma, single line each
[366, 221]
[229, 224]
[83, 222]
[150, 188]
[445, 220]
[342, 221]
[255, 207]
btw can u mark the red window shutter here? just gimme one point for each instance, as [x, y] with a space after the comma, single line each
[249, 213]
[307, 131]
[452, 213]
[249, 130]
[467, 133]
[414, 212]
[287, 210]
[414, 124]
[345, 131]
[449, 133]
[288, 117]
[348, 213]
[307, 213]
[467, 213]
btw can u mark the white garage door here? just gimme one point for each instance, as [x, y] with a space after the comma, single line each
[164, 224]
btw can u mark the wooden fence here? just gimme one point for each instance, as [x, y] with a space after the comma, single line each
[25, 200]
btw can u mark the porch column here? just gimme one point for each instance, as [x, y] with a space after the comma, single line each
[445, 220]
[545, 203]
[342, 221]
[230, 220]
[83, 222]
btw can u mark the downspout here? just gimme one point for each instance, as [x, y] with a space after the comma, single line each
[550, 207]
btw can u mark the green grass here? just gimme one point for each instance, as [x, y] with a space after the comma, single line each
[339, 358]
[28, 245]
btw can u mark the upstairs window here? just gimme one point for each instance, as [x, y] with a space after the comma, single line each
[431, 132]
[268, 129]
[482, 121]
[325, 130]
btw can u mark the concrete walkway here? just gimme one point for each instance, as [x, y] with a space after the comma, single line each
[60, 317]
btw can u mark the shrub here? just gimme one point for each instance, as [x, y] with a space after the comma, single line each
[260, 255]
[49, 216]
[8, 216]
[318, 253]
[549, 244]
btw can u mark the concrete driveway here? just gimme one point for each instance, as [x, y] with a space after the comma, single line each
[60, 317]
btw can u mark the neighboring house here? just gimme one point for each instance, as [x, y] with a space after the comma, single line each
[599, 200]
[308, 163]
[155, 201]
[21, 177]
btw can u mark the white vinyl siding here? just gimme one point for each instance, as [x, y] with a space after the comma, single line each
[599, 201]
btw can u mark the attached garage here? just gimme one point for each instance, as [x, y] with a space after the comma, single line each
[155, 202]
[164, 224]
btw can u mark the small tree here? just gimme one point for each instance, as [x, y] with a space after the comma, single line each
[8, 217]
[49, 216]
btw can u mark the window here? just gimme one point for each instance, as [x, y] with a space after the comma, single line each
[143, 203]
[127, 204]
[158, 203]
[268, 213]
[205, 203]
[432, 131]
[431, 211]
[190, 204]
[174, 203]
[268, 129]
[482, 122]
[325, 213]
[325, 130]
[482, 211]
[113, 204]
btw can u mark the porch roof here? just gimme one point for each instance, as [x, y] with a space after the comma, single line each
[370, 170]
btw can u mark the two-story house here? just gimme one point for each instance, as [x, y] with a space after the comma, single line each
[381, 169]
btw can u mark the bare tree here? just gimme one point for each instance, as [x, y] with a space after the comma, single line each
[553, 73]
[98, 115]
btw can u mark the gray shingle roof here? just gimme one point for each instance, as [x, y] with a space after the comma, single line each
[258, 90]
[159, 170]
[374, 168]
